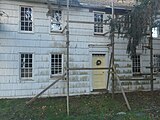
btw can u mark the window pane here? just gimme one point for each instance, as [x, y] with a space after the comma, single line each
[22, 8]
[26, 28]
[30, 28]
[22, 28]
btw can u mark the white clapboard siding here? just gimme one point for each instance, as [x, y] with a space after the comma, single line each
[42, 43]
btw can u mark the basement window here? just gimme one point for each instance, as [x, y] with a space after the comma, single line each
[56, 20]
[136, 65]
[98, 22]
[56, 64]
[26, 66]
[156, 60]
[26, 19]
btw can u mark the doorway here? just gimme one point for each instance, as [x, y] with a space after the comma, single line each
[99, 76]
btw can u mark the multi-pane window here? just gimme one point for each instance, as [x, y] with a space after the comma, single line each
[158, 30]
[155, 32]
[121, 0]
[26, 66]
[98, 22]
[56, 20]
[156, 60]
[136, 66]
[56, 64]
[26, 19]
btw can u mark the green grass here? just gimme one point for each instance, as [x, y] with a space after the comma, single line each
[93, 107]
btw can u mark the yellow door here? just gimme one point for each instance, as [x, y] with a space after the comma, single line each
[99, 76]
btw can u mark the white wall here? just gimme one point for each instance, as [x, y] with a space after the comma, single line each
[41, 43]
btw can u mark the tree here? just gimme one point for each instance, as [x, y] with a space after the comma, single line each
[136, 24]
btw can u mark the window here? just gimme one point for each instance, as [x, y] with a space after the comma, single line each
[156, 65]
[56, 64]
[155, 32]
[136, 66]
[121, 0]
[158, 30]
[26, 19]
[98, 19]
[26, 66]
[56, 20]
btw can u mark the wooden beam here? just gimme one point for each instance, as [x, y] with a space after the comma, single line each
[113, 46]
[140, 74]
[39, 94]
[102, 68]
[110, 63]
[68, 53]
[124, 95]
[134, 79]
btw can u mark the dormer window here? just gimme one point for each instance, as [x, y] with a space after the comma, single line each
[56, 20]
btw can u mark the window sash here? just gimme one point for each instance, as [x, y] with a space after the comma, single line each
[56, 64]
[136, 65]
[56, 21]
[26, 68]
[98, 20]
[156, 61]
[26, 19]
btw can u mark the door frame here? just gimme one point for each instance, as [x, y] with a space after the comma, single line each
[97, 49]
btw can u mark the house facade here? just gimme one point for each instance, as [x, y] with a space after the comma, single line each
[33, 49]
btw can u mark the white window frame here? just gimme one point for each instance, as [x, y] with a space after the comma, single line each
[20, 21]
[155, 32]
[121, 1]
[62, 60]
[158, 29]
[62, 22]
[97, 12]
[156, 63]
[137, 66]
[20, 68]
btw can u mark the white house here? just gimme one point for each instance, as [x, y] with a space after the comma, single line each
[33, 49]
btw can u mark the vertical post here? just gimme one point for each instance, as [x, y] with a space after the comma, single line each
[151, 51]
[109, 70]
[112, 42]
[67, 43]
[151, 62]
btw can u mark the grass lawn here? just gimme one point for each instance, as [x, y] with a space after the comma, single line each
[93, 107]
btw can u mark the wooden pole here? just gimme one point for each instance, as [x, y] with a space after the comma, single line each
[67, 43]
[124, 95]
[110, 63]
[151, 50]
[101, 68]
[34, 98]
[151, 62]
[112, 42]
